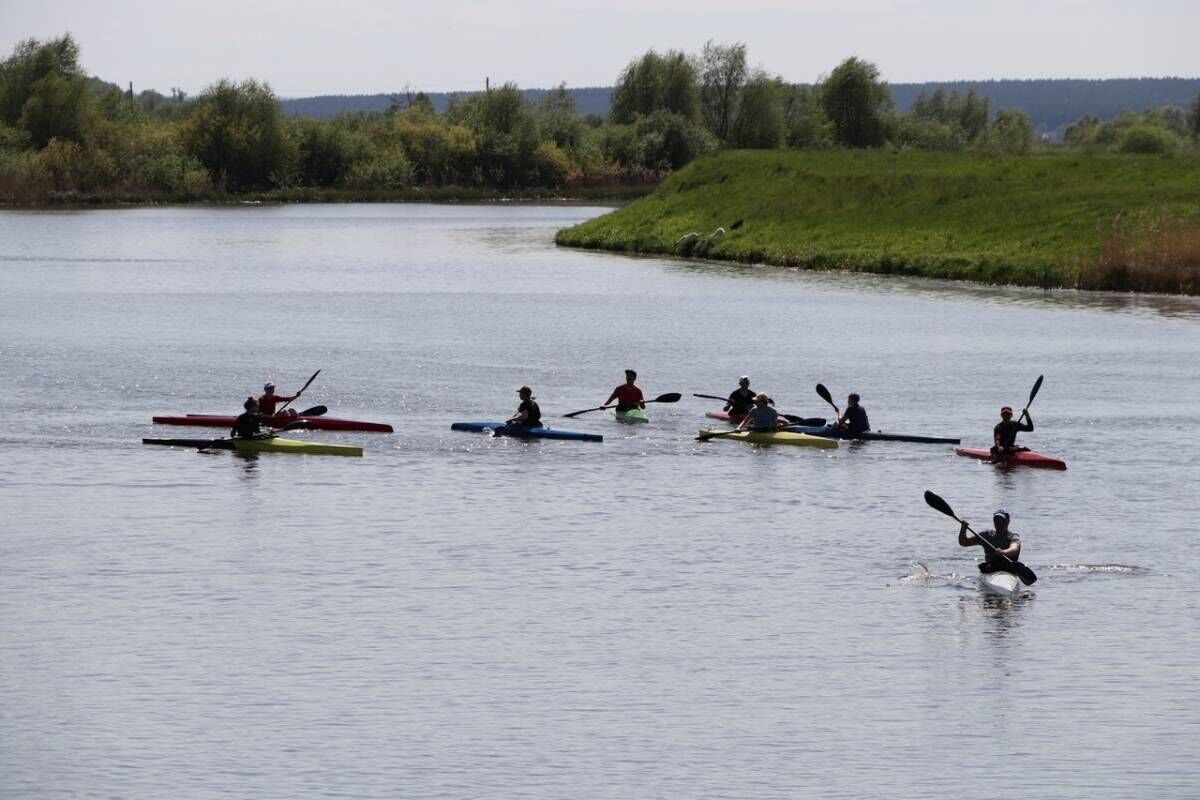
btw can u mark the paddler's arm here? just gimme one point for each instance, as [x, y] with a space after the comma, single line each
[1028, 420]
[611, 397]
[963, 539]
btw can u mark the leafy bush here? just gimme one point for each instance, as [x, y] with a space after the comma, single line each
[1147, 139]
[551, 164]
[389, 170]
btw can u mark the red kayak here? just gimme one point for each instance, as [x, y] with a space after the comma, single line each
[1026, 458]
[278, 421]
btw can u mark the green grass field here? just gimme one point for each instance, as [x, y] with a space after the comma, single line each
[1066, 219]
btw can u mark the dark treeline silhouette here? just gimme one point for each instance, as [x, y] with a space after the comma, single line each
[1051, 105]
[589, 100]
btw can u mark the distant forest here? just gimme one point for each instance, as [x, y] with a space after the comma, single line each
[65, 136]
[1051, 105]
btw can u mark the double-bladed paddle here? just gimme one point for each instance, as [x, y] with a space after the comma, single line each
[706, 435]
[792, 418]
[669, 397]
[315, 411]
[302, 388]
[828, 398]
[291, 426]
[1037, 385]
[1020, 570]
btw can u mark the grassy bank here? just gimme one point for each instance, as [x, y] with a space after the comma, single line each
[1117, 222]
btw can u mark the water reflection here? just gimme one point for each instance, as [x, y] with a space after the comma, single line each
[1176, 307]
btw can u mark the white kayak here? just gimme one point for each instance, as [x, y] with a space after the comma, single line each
[633, 415]
[1004, 584]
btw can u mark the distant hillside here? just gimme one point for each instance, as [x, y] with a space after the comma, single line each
[1054, 104]
[1051, 104]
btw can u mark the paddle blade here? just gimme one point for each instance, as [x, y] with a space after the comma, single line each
[704, 436]
[1024, 573]
[669, 397]
[1037, 385]
[825, 395]
[938, 504]
[315, 411]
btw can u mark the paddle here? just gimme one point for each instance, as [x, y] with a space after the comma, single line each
[1020, 570]
[705, 436]
[669, 397]
[1037, 385]
[291, 426]
[315, 411]
[813, 422]
[714, 397]
[302, 388]
[827, 397]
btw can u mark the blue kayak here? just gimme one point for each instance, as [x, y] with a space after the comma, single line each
[500, 429]
[830, 432]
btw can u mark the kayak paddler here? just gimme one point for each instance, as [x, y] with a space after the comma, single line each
[1006, 543]
[247, 426]
[761, 417]
[741, 399]
[266, 403]
[1004, 435]
[528, 415]
[854, 418]
[627, 394]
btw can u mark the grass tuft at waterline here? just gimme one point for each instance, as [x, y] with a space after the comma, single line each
[1066, 219]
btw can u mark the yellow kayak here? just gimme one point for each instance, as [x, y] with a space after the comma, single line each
[277, 444]
[772, 437]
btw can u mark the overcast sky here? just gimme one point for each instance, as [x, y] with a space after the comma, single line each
[303, 47]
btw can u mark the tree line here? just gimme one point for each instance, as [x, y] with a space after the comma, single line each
[62, 133]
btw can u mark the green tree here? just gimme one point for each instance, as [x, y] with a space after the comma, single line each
[760, 122]
[1147, 139]
[506, 134]
[965, 115]
[1194, 119]
[722, 78]
[557, 119]
[656, 82]
[1082, 131]
[1010, 132]
[237, 132]
[44, 91]
[856, 101]
[325, 150]
[667, 141]
[804, 118]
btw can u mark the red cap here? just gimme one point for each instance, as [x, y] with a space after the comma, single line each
[1006, 408]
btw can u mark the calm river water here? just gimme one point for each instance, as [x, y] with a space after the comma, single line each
[459, 616]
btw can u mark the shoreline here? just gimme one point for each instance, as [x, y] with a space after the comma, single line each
[607, 195]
